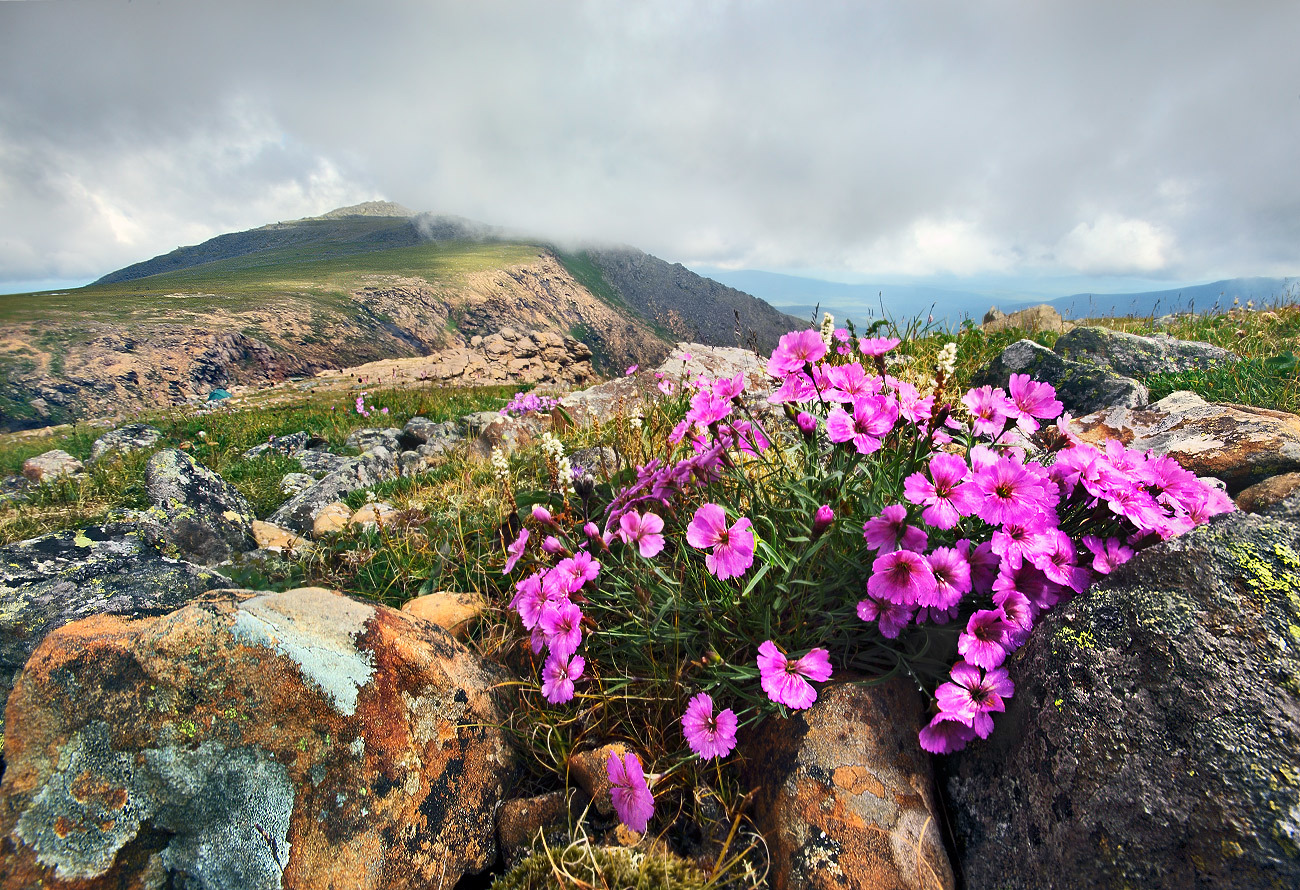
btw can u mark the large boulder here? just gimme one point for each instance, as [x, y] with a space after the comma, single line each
[300, 511]
[1033, 319]
[1133, 356]
[50, 581]
[203, 517]
[252, 741]
[846, 795]
[1236, 443]
[1152, 738]
[125, 439]
[1082, 387]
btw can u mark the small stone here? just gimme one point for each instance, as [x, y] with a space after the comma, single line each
[371, 515]
[52, 465]
[589, 769]
[1262, 495]
[331, 520]
[277, 539]
[453, 612]
[125, 439]
[522, 819]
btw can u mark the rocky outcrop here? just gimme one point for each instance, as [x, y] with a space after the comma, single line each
[1034, 319]
[1236, 443]
[1082, 387]
[124, 440]
[299, 513]
[846, 797]
[1152, 738]
[50, 581]
[197, 515]
[253, 741]
[1134, 356]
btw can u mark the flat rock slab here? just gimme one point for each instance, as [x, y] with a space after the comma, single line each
[252, 741]
[847, 796]
[50, 581]
[1152, 740]
[1135, 356]
[1236, 443]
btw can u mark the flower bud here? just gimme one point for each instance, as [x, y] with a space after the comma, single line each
[807, 423]
[541, 514]
[552, 544]
[822, 520]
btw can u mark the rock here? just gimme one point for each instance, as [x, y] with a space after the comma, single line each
[421, 431]
[301, 740]
[1152, 738]
[278, 540]
[510, 434]
[598, 463]
[287, 445]
[1033, 320]
[125, 439]
[1287, 510]
[299, 512]
[318, 462]
[1134, 356]
[1238, 444]
[371, 515]
[846, 794]
[51, 580]
[1273, 490]
[521, 820]
[453, 612]
[366, 439]
[199, 514]
[14, 489]
[52, 465]
[332, 519]
[1081, 387]
[292, 483]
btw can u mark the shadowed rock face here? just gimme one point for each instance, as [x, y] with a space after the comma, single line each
[300, 740]
[199, 514]
[1152, 738]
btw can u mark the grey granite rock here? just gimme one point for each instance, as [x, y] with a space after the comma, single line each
[1133, 356]
[1082, 387]
[199, 514]
[125, 439]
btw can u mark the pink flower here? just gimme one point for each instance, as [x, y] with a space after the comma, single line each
[562, 625]
[529, 599]
[822, 520]
[990, 407]
[891, 617]
[551, 544]
[872, 419]
[795, 350]
[948, 498]
[877, 345]
[946, 734]
[541, 514]
[515, 550]
[786, 681]
[733, 548]
[1107, 555]
[708, 736]
[643, 531]
[984, 641]
[1010, 493]
[729, 387]
[558, 675]
[1032, 400]
[889, 531]
[632, 369]
[973, 694]
[577, 570]
[666, 386]
[951, 578]
[849, 382]
[1056, 561]
[631, 796]
[807, 423]
[902, 577]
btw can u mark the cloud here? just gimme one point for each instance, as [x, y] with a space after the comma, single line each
[945, 138]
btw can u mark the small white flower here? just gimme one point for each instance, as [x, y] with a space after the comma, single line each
[828, 328]
[947, 361]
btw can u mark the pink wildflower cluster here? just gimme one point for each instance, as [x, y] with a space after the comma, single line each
[366, 410]
[527, 403]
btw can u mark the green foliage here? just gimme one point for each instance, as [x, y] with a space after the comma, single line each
[582, 864]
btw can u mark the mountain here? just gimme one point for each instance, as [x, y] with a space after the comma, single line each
[1202, 297]
[355, 285]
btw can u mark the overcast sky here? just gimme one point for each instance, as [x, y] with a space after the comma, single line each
[858, 141]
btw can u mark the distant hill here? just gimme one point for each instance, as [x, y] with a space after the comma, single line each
[1198, 298]
[355, 285]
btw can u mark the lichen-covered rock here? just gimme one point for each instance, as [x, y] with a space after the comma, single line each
[252, 741]
[198, 513]
[319, 462]
[1135, 356]
[846, 795]
[1082, 387]
[423, 431]
[521, 820]
[454, 612]
[1152, 738]
[125, 439]
[510, 434]
[1236, 443]
[332, 519]
[372, 515]
[51, 465]
[50, 581]
[365, 439]
[278, 540]
[288, 445]
[300, 511]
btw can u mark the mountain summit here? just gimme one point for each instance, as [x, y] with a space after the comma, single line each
[355, 285]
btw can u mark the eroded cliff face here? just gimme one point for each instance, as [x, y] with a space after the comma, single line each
[102, 368]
